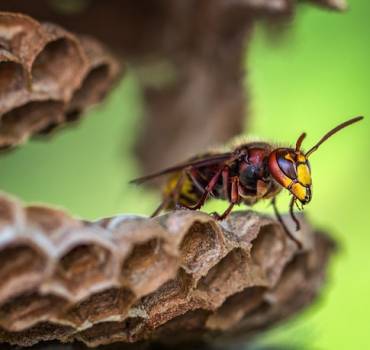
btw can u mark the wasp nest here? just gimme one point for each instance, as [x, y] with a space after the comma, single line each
[129, 278]
[47, 76]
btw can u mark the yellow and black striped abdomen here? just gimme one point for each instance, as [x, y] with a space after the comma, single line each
[180, 189]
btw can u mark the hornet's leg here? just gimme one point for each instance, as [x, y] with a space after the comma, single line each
[209, 188]
[225, 183]
[233, 200]
[280, 219]
[173, 195]
[159, 208]
[294, 218]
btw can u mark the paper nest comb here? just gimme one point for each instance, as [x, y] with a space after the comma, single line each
[128, 278]
[48, 77]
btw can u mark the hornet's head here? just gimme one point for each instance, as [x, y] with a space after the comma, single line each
[291, 169]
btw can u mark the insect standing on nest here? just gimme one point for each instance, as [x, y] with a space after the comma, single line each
[251, 172]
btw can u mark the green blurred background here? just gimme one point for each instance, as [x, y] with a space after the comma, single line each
[316, 77]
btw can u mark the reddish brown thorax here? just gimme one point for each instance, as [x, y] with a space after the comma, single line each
[253, 168]
[257, 155]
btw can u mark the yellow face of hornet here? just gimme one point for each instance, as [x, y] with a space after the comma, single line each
[291, 170]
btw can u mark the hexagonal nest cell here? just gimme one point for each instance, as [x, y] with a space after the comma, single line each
[47, 75]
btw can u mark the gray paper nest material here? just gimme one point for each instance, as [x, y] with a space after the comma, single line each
[128, 278]
[48, 77]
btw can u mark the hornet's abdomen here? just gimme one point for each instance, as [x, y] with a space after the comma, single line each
[188, 193]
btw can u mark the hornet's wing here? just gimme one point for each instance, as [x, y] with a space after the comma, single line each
[196, 163]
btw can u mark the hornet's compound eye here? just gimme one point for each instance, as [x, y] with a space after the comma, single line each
[286, 163]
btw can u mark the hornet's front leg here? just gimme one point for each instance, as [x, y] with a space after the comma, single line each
[234, 199]
[280, 219]
[291, 212]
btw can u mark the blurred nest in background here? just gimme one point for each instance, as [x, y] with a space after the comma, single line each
[48, 77]
[188, 56]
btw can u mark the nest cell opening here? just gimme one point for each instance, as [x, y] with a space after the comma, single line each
[199, 242]
[28, 309]
[235, 307]
[23, 121]
[267, 246]
[92, 90]
[220, 276]
[12, 77]
[47, 220]
[295, 274]
[113, 302]
[22, 266]
[84, 266]
[147, 267]
[57, 67]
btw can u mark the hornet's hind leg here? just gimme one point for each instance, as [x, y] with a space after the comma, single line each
[171, 196]
[209, 188]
